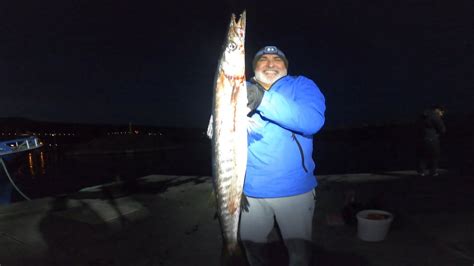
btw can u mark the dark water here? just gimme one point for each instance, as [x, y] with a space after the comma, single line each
[369, 150]
[47, 173]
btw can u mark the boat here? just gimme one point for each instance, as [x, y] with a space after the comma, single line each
[9, 150]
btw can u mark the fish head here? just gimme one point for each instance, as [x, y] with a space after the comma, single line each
[234, 51]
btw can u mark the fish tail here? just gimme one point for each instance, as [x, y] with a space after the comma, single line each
[233, 255]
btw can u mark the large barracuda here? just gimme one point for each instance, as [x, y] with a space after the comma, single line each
[228, 130]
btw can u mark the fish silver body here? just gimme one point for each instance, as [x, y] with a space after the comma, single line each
[228, 131]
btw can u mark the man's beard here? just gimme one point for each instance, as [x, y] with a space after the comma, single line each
[260, 76]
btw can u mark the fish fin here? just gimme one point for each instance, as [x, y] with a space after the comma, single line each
[251, 125]
[212, 202]
[244, 203]
[210, 129]
[233, 256]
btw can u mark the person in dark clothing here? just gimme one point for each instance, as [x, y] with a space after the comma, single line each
[431, 126]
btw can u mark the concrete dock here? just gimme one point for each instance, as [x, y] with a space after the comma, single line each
[169, 220]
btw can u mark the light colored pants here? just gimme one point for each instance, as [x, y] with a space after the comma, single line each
[294, 216]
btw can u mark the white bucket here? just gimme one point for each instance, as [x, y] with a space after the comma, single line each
[373, 225]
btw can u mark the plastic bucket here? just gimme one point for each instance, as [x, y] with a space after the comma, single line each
[373, 225]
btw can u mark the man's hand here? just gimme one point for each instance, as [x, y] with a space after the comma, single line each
[254, 96]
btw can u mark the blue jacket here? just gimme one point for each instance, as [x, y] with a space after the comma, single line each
[280, 161]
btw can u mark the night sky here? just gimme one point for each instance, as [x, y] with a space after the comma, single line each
[154, 62]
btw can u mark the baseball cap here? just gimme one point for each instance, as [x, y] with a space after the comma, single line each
[270, 50]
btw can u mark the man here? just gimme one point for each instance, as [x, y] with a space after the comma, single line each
[431, 126]
[285, 112]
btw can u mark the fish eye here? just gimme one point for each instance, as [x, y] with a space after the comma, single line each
[232, 46]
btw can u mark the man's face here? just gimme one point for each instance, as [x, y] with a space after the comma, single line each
[269, 68]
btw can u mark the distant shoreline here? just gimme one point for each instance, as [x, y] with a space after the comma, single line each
[125, 151]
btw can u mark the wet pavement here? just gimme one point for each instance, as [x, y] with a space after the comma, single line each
[169, 220]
